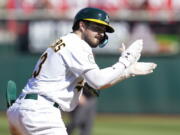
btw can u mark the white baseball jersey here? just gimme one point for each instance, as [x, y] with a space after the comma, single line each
[58, 72]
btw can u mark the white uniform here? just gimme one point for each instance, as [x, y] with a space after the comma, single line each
[57, 80]
[55, 77]
[61, 71]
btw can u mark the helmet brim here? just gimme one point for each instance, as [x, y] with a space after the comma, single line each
[108, 27]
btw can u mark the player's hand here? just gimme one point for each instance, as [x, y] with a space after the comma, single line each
[132, 53]
[141, 68]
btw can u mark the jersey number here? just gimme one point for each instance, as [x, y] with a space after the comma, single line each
[58, 45]
[42, 58]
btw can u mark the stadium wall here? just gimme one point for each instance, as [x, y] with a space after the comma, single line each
[156, 93]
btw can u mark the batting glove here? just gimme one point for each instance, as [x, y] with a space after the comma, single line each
[140, 68]
[132, 53]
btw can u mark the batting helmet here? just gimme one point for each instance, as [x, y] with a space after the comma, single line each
[93, 15]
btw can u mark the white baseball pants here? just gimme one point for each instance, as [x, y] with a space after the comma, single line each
[35, 117]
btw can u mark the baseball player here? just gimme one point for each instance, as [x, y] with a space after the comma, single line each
[63, 68]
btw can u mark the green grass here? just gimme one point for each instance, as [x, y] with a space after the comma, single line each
[3, 125]
[124, 125]
[136, 125]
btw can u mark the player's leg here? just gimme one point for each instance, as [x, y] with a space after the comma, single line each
[35, 117]
[13, 130]
[13, 116]
[45, 121]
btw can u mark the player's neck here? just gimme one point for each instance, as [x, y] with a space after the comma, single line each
[79, 34]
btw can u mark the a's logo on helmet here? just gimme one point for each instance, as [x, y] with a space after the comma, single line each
[107, 19]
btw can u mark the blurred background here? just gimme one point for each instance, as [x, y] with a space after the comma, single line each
[28, 27]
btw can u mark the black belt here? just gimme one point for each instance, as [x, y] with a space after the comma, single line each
[35, 97]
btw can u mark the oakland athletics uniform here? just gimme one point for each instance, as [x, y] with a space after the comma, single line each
[59, 74]
[56, 80]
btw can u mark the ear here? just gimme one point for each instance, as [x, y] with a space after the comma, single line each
[82, 26]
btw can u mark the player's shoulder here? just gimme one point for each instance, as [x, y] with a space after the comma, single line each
[75, 43]
[71, 39]
[71, 43]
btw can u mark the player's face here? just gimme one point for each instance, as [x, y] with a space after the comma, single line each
[94, 33]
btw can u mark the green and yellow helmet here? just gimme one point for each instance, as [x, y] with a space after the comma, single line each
[94, 15]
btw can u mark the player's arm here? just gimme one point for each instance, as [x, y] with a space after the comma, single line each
[136, 69]
[101, 78]
[105, 78]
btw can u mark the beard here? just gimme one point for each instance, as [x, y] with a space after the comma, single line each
[90, 42]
